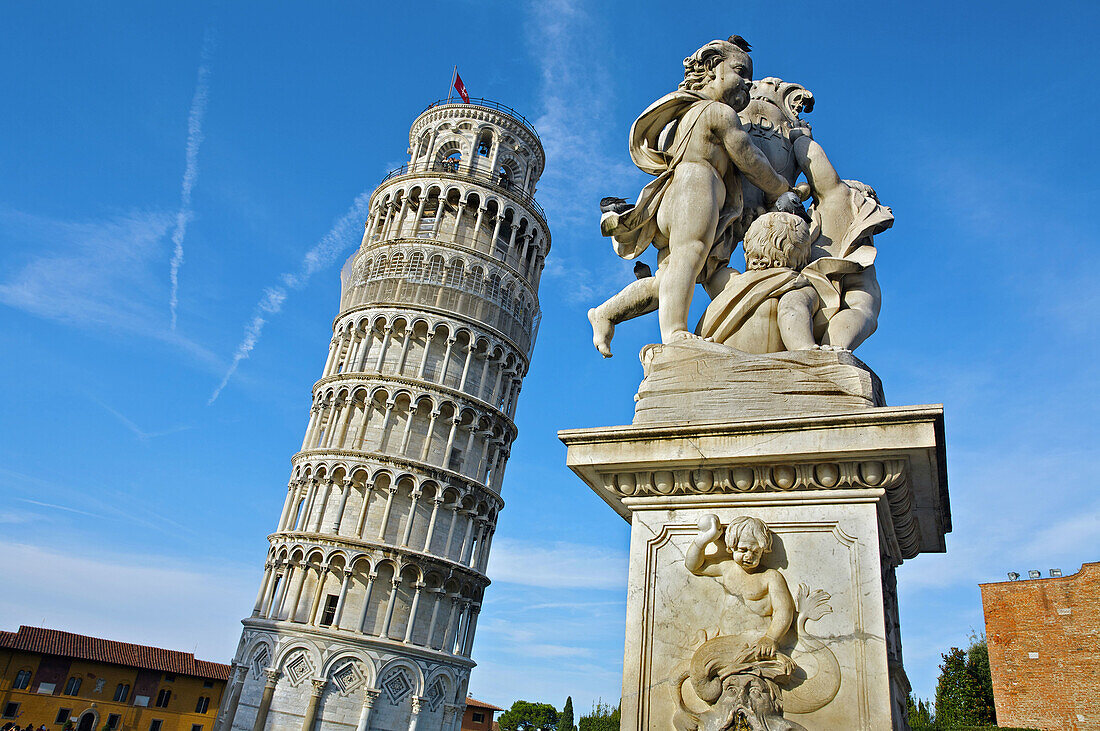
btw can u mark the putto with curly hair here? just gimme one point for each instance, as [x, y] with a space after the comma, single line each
[699, 66]
[777, 240]
[752, 528]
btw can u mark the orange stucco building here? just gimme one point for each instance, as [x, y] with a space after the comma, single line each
[51, 678]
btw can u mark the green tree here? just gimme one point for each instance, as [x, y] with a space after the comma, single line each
[964, 693]
[602, 718]
[565, 722]
[919, 714]
[528, 716]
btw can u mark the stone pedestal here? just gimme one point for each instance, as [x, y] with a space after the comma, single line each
[847, 497]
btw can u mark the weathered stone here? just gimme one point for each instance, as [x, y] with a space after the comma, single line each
[745, 386]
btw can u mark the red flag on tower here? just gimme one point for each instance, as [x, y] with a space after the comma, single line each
[461, 88]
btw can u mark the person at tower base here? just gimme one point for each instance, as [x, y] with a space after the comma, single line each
[693, 141]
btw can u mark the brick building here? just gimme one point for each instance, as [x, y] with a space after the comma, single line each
[478, 715]
[1044, 649]
[50, 678]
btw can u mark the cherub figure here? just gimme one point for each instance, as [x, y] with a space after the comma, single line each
[737, 567]
[770, 308]
[846, 216]
[693, 141]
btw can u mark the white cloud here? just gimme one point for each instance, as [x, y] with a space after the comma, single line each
[151, 600]
[321, 255]
[191, 169]
[557, 565]
[97, 275]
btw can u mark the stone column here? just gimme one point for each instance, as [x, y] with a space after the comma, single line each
[293, 609]
[364, 350]
[466, 365]
[487, 359]
[405, 341]
[383, 524]
[265, 701]
[438, 597]
[448, 630]
[382, 352]
[446, 362]
[343, 597]
[394, 584]
[412, 612]
[277, 607]
[268, 573]
[368, 491]
[322, 505]
[407, 532]
[345, 492]
[269, 599]
[471, 627]
[290, 489]
[407, 435]
[229, 708]
[370, 695]
[414, 719]
[314, 700]
[390, 403]
[322, 574]
[436, 502]
[331, 356]
[428, 437]
[313, 412]
[450, 441]
[477, 226]
[366, 602]
[428, 337]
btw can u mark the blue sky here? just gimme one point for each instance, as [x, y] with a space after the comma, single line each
[142, 466]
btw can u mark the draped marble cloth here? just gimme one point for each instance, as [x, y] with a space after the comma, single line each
[658, 142]
[743, 295]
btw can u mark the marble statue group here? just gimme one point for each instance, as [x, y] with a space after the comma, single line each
[727, 153]
[762, 459]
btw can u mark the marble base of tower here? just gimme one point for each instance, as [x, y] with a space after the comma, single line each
[338, 687]
[848, 488]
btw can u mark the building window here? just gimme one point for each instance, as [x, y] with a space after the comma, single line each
[208, 684]
[73, 686]
[169, 678]
[22, 680]
[196, 727]
[330, 610]
[163, 697]
[63, 715]
[11, 710]
[112, 721]
[122, 692]
[155, 725]
[478, 717]
[202, 705]
[46, 688]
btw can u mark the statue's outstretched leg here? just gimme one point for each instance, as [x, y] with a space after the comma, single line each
[636, 298]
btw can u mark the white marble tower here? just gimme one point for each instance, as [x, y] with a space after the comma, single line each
[366, 612]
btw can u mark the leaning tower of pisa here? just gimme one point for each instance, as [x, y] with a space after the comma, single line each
[366, 612]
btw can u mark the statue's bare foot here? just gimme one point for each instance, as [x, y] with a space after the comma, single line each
[679, 335]
[602, 332]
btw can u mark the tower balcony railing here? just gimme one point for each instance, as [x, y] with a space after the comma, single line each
[520, 328]
[488, 104]
[487, 177]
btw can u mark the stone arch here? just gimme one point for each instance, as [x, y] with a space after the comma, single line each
[397, 664]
